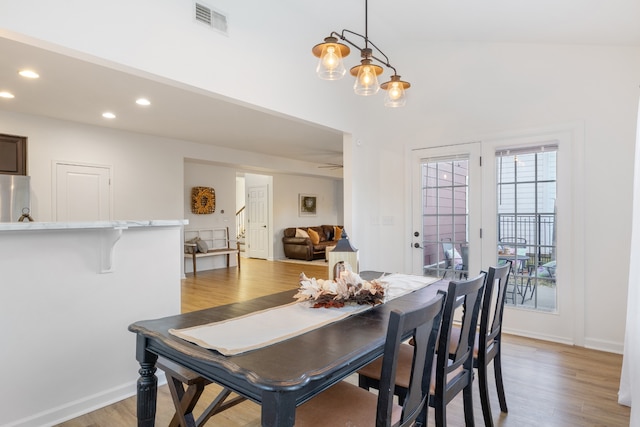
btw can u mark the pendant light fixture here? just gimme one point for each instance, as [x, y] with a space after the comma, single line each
[330, 65]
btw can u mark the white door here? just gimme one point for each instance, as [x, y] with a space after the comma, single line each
[258, 221]
[82, 193]
[447, 205]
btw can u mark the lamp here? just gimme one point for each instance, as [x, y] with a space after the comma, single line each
[395, 92]
[331, 67]
[345, 253]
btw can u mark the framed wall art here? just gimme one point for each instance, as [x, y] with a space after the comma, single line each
[307, 204]
[203, 200]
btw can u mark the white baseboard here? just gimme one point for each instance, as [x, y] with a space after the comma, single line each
[83, 406]
[591, 343]
[604, 345]
[543, 337]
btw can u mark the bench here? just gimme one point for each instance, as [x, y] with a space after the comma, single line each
[217, 241]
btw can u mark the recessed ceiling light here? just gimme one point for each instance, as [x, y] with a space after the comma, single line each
[30, 74]
[108, 115]
[7, 95]
[143, 101]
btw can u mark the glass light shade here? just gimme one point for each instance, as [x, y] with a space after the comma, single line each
[330, 66]
[330, 54]
[396, 95]
[366, 78]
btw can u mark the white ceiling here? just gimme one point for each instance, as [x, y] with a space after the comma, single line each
[67, 89]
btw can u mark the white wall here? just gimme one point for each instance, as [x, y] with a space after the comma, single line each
[66, 349]
[285, 204]
[240, 192]
[147, 171]
[223, 181]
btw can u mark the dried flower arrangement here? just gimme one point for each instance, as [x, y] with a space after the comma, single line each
[348, 288]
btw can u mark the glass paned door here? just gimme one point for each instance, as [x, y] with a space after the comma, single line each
[443, 224]
[445, 227]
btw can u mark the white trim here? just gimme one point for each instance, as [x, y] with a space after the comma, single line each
[604, 345]
[568, 323]
[76, 408]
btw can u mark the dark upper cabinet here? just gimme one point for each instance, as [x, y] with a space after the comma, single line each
[13, 155]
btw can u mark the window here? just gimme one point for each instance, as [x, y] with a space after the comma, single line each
[526, 224]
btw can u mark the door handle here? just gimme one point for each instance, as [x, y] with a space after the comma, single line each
[417, 246]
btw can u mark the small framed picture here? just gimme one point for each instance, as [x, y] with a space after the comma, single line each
[307, 204]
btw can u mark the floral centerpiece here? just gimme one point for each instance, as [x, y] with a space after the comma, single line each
[348, 288]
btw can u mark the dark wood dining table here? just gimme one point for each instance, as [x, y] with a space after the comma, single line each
[278, 377]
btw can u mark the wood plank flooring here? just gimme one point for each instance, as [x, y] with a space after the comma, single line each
[547, 384]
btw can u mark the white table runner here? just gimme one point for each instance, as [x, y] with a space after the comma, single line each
[266, 327]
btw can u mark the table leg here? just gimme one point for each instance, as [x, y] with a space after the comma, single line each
[278, 410]
[147, 385]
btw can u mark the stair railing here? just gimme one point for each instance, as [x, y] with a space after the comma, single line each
[240, 228]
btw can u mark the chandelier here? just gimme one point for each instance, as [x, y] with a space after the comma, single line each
[331, 67]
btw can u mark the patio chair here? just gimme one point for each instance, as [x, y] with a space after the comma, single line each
[453, 371]
[534, 274]
[514, 249]
[346, 404]
[532, 283]
[464, 267]
[452, 258]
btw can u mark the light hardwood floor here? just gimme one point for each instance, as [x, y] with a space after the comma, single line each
[547, 384]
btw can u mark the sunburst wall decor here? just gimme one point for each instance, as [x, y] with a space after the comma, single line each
[203, 200]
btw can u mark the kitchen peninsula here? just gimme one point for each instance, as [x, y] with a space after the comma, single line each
[69, 292]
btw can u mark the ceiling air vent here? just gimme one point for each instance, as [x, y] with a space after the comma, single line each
[211, 17]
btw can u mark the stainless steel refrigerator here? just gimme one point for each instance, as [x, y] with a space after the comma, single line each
[14, 197]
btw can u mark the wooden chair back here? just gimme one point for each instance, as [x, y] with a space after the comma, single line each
[493, 308]
[423, 325]
[454, 369]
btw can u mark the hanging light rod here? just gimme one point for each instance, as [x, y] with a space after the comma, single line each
[331, 67]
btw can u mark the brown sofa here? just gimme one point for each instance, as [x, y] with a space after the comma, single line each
[303, 248]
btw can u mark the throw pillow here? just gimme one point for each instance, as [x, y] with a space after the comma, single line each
[314, 236]
[301, 233]
[337, 233]
[191, 249]
[202, 246]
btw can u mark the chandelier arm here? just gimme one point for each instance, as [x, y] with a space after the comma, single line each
[386, 64]
[342, 37]
[386, 61]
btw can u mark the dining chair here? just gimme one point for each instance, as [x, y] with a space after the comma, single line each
[453, 372]
[345, 404]
[488, 340]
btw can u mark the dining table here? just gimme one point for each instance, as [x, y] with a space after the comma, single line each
[279, 376]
